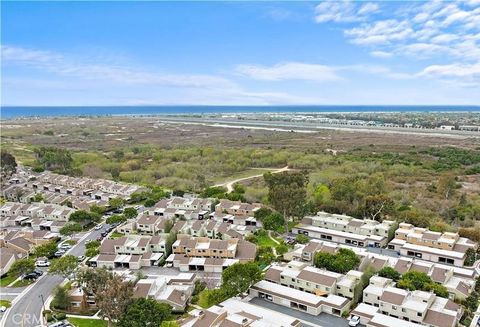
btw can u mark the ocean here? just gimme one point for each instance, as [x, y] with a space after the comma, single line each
[10, 112]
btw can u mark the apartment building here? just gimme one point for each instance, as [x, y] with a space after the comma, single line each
[173, 290]
[234, 312]
[340, 236]
[447, 248]
[370, 316]
[204, 254]
[188, 208]
[247, 221]
[321, 282]
[416, 306]
[35, 210]
[300, 300]
[237, 208]
[349, 224]
[132, 251]
[306, 252]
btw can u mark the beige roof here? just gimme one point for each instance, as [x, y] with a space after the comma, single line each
[391, 297]
[439, 319]
[317, 278]
[273, 275]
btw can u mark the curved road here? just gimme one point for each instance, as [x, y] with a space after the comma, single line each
[27, 307]
[229, 185]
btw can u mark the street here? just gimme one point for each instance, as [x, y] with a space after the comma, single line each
[27, 307]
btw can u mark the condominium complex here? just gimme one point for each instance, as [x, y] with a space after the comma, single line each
[237, 208]
[415, 306]
[448, 248]
[202, 253]
[313, 280]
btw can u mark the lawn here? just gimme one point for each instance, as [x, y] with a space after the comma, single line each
[86, 322]
[265, 240]
[115, 235]
[5, 303]
[6, 280]
[22, 283]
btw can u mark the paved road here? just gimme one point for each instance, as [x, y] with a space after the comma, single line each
[26, 308]
[229, 185]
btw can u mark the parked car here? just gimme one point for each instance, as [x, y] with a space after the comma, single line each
[3, 308]
[98, 227]
[59, 253]
[30, 276]
[38, 272]
[104, 234]
[63, 323]
[354, 321]
[65, 246]
[81, 258]
[42, 263]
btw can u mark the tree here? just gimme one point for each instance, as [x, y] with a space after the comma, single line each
[71, 229]
[38, 198]
[446, 185]
[45, 250]
[150, 203]
[364, 281]
[470, 258]
[60, 298]
[116, 219]
[341, 262]
[416, 280]
[145, 313]
[322, 194]
[273, 221]
[56, 159]
[302, 239]
[112, 293]
[207, 297]
[97, 209]
[84, 217]
[287, 193]
[238, 277]
[116, 203]
[171, 238]
[22, 267]
[64, 266]
[389, 272]
[130, 212]
[8, 164]
[378, 206]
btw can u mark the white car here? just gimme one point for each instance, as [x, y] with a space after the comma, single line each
[42, 263]
[354, 321]
[65, 246]
[98, 227]
[169, 265]
[3, 308]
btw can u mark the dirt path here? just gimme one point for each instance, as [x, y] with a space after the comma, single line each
[229, 185]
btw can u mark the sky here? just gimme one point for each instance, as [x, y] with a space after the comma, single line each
[240, 53]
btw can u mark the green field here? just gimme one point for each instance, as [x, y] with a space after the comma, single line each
[7, 280]
[86, 322]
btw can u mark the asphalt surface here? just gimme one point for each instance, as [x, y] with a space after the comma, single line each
[27, 307]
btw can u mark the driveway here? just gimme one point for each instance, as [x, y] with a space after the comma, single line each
[323, 319]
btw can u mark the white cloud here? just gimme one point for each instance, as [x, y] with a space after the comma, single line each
[383, 31]
[368, 8]
[289, 71]
[381, 54]
[467, 74]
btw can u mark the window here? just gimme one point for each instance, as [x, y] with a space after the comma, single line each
[394, 307]
[419, 314]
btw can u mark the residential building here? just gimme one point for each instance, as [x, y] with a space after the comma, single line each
[237, 208]
[300, 300]
[233, 313]
[321, 282]
[416, 306]
[447, 248]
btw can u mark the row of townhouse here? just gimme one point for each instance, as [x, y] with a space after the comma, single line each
[321, 282]
[88, 184]
[416, 306]
[187, 208]
[459, 281]
[213, 229]
[23, 194]
[418, 242]
[340, 236]
[237, 208]
[371, 316]
[145, 224]
[212, 255]
[300, 300]
[132, 251]
[38, 216]
[349, 224]
[345, 229]
[234, 312]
